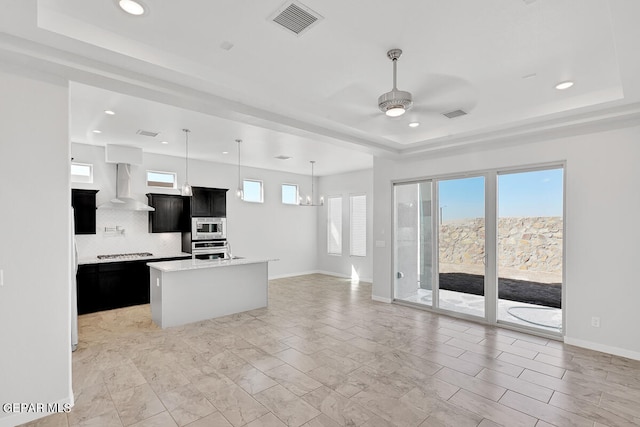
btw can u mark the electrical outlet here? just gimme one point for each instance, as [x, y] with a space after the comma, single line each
[595, 322]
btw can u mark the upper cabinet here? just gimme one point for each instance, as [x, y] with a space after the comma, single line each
[209, 202]
[84, 210]
[171, 214]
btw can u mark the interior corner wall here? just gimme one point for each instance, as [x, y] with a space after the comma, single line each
[35, 243]
[345, 185]
[602, 204]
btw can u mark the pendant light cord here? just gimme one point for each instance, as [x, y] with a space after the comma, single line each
[239, 191]
[186, 157]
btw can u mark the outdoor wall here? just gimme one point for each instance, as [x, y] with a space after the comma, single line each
[345, 185]
[270, 229]
[526, 244]
[35, 243]
[601, 206]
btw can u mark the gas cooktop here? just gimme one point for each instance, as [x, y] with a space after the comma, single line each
[134, 255]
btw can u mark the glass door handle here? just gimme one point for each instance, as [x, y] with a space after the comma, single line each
[400, 275]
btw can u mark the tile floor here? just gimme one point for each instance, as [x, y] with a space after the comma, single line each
[325, 354]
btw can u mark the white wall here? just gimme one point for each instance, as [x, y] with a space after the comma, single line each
[269, 229]
[602, 232]
[345, 185]
[35, 251]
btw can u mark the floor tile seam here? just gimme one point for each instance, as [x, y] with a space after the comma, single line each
[484, 416]
[553, 407]
[478, 379]
[523, 380]
[116, 407]
[535, 364]
[579, 412]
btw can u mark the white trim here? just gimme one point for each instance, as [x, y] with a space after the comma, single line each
[25, 417]
[299, 273]
[297, 198]
[617, 351]
[343, 276]
[381, 299]
[174, 183]
[326, 273]
[244, 180]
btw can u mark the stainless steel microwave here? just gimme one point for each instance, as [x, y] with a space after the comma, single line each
[208, 228]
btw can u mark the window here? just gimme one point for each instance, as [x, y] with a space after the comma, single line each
[290, 194]
[252, 191]
[161, 179]
[334, 225]
[82, 172]
[358, 225]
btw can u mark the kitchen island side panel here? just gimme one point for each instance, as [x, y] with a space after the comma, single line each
[188, 296]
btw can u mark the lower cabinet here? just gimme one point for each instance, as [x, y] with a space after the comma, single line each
[110, 285]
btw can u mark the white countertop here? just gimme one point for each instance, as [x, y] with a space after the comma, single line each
[95, 260]
[194, 264]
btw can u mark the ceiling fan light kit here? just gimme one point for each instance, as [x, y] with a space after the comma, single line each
[395, 102]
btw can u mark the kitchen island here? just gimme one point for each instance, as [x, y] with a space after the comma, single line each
[192, 290]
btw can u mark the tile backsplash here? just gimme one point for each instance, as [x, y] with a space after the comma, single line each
[125, 232]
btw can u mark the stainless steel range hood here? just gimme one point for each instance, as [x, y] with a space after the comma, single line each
[123, 200]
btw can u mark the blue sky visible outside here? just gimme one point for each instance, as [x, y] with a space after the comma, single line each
[524, 194]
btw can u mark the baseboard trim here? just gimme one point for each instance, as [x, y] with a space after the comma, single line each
[381, 299]
[25, 417]
[300, 273]
[327, 273]
[343, 276]
[617, 351]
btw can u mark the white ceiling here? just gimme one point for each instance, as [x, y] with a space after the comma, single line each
[314, 97]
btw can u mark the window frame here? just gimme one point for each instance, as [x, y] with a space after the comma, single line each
[173, 186]
[297, 196]
[244, 192]
[83, 178]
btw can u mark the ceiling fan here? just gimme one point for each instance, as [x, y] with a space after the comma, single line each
[436, 96]
[395, 102]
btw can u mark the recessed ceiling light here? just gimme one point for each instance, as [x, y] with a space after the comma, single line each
[131, 7]
[282, 157]
[164, 142]
[97, 131]
[414, 124]
[225, 152]
[564, 85]
[109, 112]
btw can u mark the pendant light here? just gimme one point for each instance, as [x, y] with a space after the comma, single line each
[239, 191]
[310, 201]
[186, 188]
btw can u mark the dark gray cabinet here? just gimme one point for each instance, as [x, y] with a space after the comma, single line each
[110, 285]
[170, 215]
[208, 202]
[84, 210]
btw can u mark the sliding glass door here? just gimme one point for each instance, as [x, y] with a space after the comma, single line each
[530, 240]
[487, 246]
[413, 255]
[461, 237]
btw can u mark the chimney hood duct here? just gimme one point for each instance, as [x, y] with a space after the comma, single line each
[123, 200]
[124, 157]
